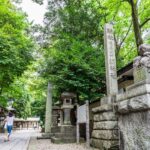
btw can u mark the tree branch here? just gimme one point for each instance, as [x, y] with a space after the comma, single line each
[125, 35]
[119, 46]
[141, 25]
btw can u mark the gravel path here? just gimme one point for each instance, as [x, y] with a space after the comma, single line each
[46, 144]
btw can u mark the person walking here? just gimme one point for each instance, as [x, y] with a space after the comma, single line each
[9, 124]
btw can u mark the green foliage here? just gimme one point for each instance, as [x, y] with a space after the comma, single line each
[19, 93]
[74, 56]
[16, 49]
[119, 12]
[15, 44]
[71, 53]
[74, 59]
[38, 109]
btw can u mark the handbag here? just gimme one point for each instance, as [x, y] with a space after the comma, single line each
[5, 125]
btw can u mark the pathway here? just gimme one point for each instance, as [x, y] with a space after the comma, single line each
[26, 140]
[19, 140]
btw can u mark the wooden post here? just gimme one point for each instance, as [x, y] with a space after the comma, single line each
[87, 125]
[77, 127]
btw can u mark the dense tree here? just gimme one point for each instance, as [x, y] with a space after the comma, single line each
[74, 47]
[71, 53]
[15, 44]
[75, 28]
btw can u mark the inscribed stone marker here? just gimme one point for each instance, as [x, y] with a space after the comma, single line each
[48, 117]
[110, 60]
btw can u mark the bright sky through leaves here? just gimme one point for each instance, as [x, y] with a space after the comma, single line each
[35, 11]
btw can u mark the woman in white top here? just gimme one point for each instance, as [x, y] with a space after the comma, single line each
[9, 122]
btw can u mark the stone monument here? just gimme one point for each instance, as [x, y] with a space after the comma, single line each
[105, 130]
[67, 132]
[67, 106]
[133, 106]
[48, 116]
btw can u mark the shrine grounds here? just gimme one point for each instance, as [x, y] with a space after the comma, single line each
[27, 140]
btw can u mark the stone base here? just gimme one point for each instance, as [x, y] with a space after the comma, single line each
[63, 140]
[105, 144]
[45, 136]
[67, 134]
[105, 128]
[55, 129]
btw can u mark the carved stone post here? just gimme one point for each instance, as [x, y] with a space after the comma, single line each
[105, 130]
[48, 117]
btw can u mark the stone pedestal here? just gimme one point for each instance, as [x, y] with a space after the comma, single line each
[105, 130]
[67, 111]
[134, 113]
[67, 134]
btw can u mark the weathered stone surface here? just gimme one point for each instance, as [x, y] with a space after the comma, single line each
[140, 74]
[140, 102]
[143, 59]
[106, 100]
[134, 90]
[105, 116]
[137, 103]
[105, 134]
[123, 106]
[103, 108]
[48, 114]
[120, 97]
[140, 83]
[96, 117]
[140, 90]
[110, 60]
[106, 125]
[135, 131]
[104, 144]
[134, 107]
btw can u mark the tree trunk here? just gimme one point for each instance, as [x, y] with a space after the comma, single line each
[136, 25]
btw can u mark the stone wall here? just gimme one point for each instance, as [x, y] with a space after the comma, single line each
[135, 131]
[134, 117]
[105, 129]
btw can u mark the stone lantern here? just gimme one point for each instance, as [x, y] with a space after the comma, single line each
[68, 100]
[66, 132]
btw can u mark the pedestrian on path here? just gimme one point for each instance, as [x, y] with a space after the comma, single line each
[9, 124]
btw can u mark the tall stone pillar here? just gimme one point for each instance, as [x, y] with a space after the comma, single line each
[134, 106]
[105, 129]
[110, 61]
[48, 116]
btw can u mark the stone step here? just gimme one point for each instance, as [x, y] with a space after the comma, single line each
[55, 129]
[58, 135]
[63, 140]
[105, 144]
[65, 129]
